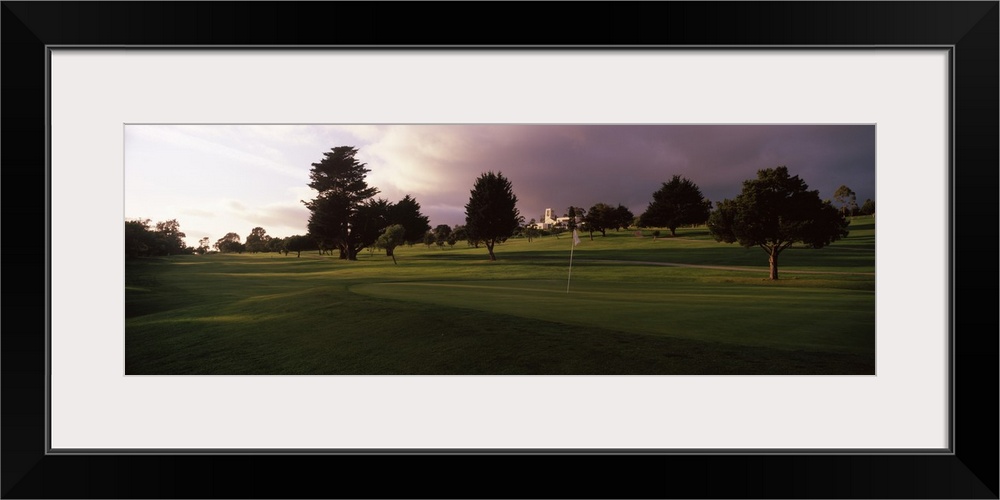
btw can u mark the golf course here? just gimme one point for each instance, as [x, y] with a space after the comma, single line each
[629, 305]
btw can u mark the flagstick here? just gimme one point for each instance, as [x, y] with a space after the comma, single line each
[570, 268]
[572, 244]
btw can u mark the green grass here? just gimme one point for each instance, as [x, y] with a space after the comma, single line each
[451, 311]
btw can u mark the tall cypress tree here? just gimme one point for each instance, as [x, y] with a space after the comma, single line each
[342, 195]
[491, 216]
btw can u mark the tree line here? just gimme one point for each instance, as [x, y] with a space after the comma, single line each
[772, 212]
[346, 215]
[165, 238]
[258, 241]
[145, 240]
[344, 218]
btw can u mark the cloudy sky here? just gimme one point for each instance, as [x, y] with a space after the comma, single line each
[216, 179]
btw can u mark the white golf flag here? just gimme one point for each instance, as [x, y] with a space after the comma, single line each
[576, 241]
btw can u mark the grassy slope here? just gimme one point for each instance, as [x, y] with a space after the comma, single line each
[450, 311]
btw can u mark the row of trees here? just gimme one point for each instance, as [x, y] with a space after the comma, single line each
[602, 217]
[443, 233]
[772, 212]
[144, 240]
[345, 214]
[258, 241]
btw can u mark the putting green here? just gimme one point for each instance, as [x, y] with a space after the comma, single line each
[749, 315]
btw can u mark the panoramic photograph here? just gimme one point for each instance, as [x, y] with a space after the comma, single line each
[499, 249]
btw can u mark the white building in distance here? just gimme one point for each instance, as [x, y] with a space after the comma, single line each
[549, 222]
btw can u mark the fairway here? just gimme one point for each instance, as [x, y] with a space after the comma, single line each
[683, 305]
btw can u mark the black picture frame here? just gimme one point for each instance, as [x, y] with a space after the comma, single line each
[969, 28]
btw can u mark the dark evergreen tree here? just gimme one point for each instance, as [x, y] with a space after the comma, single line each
[342, 194]
[677, 203]
[491, 216]
[406, 213]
